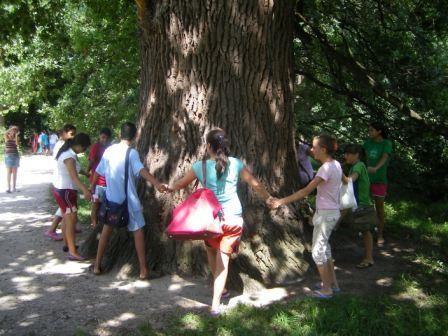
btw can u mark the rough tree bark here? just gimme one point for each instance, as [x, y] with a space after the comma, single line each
[221, 64]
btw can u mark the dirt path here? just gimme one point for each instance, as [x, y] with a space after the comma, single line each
[42, 293]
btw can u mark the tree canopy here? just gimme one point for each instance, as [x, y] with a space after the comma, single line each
[356, 61]
[75, 61]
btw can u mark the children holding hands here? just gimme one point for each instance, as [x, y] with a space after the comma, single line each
[223, 173]
[112, 167]
[327, 182]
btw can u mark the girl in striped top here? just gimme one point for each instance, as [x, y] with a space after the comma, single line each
[12, 159]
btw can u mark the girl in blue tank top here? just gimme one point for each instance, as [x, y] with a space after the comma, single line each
[223, 173]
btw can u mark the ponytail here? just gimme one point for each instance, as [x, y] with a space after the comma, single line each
[220, 146]
[65, 147]
[328, 142]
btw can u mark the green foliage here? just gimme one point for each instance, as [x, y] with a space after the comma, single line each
[421, 221]
[76, 61]
[367, 60]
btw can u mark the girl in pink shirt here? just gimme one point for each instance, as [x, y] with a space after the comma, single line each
[327, 182]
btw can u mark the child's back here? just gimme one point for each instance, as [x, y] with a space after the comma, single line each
[328, 191]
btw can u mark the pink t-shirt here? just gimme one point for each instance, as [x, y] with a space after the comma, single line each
[328, 191]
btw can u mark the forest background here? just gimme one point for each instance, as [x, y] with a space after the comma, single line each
[356, 61]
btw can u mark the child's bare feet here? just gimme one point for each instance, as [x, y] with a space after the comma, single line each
[144, 274]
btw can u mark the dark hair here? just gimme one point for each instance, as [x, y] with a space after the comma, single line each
[380, 128]
[80, 139]
[328, 142]
[67, 128]
[106, 131]
[128, 131]
[354, 149]
[219, 144]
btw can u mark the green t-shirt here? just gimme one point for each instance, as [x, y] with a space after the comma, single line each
[374, 152]
[362, 184]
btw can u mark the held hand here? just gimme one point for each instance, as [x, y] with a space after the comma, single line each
[83, 172]
[87, 194]
[273, 203]
[163, 188]
[371, 170]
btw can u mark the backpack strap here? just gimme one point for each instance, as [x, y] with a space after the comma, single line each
[126, 173]
[204, 171]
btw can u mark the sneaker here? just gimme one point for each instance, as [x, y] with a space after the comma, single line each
[53, 235]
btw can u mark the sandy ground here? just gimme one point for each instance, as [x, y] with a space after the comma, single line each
[42, 293]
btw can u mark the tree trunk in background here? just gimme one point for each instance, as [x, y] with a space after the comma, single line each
[225, 64]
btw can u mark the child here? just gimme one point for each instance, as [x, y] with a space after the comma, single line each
[222, 175]
[66, 183]
[378, 150]
[12, 157]
[327, 181]
[67, 132]
[361, 183]
[98, 187]
[112, 167]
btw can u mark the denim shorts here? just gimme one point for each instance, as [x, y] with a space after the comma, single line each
[136, 221]
[12, 160]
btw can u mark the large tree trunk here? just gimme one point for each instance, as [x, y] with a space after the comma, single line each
[221, 64]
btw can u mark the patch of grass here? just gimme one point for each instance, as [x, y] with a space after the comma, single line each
[343, 315]
[420, 220]
[425, 223]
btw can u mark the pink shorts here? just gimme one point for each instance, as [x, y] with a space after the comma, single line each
[378, 189]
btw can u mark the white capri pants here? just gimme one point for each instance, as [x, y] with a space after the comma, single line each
[324, 221]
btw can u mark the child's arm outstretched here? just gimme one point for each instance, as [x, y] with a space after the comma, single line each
[151, 179]
[189, 177]
[247, 177]
[274, 203]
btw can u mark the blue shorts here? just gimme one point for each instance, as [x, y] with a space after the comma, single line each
[136, 221]
[12, 160]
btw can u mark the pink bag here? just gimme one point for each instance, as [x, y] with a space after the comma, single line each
[198, 217]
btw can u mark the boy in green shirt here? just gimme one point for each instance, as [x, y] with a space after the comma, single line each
[361, 185]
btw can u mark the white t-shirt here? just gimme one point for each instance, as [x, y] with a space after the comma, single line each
[57, 147]
[328, 191]
[53, 139]
[61, 177]
[112, 167]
